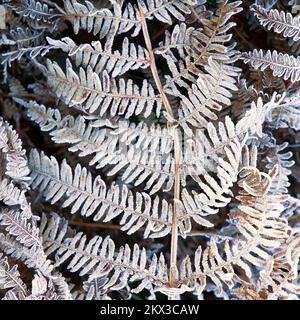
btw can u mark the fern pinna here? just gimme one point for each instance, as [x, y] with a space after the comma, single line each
[150, 150]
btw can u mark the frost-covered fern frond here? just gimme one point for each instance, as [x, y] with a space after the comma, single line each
[182, 39]
[206, 97]
[100, 94]
[279, 280]
[13, 154]
[212, 144]
[38, 14]
[88, 136]
[215, 161]
[10, 280]
[97, 258]
[22, 42]
[283, 272]
[164, 10]
[202, 44]
[32, 258]
[281, 64]
[10, 276]
[255, 214]
[19, 236]
[278, 156]
[144, 152]
[17, 226]
[280, 22]
[92, 197]
[99, 58]
[102, 21]
[216, 176]
[285, 115]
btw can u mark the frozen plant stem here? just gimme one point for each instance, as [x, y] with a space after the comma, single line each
[177, 150]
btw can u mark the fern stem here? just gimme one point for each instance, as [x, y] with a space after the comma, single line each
[153, 64]
[177, 150]
[95, 225]
[51, 3]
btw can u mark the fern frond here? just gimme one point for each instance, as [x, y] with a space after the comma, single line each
[141, 166]
[277, 156]
[278, 280]
[10, 194]
[95, 290]
[285, 115]
[151, 138]
[21, 37]
[93, 197]
[10, 276]
[162, 10]
[155, 130]
[255, 117]
[206, 43]
[144, 152]
[97, 258]
[192, 41]
[280, 22]
[14, 154]
[116, 147]
[216, 187]
[281, 274]
[197, 12]
[61, 287]
[207, 97]
[88, 137]
[39, 291]
[38, 14]
[261, 227]
[180, 39]
[242, 99]
[33, 259]
[282, 65]
[47, 118]
[209, 145]
[22, 234]
[22, 41]
[119, 97]
[32, 52]
[101, 21]
[18, 226]
[99, 58]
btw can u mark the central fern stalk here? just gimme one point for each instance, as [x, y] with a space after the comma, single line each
[177, 150]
